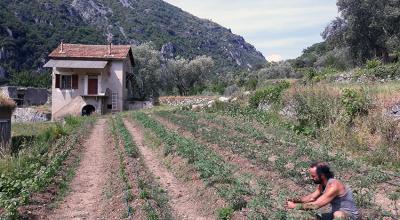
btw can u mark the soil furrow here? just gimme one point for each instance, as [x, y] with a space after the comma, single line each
[180, 196]
[85, 200]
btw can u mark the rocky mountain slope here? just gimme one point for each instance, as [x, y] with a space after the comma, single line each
[29, 29]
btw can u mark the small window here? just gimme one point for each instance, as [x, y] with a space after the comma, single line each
[66, 82]
[109, 106]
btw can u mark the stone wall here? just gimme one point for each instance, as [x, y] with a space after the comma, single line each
[186, 100]
[30, 115]
[26, 96]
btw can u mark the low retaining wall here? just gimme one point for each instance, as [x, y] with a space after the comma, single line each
[29, 115]
[186, 100]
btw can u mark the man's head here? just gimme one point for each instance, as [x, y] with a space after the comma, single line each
[319, 172]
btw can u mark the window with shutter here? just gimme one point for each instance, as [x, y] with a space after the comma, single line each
[66, 82]
[58, 81]
[75, 81]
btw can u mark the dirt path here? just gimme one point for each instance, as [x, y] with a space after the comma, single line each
[180, 197]
[85, 200]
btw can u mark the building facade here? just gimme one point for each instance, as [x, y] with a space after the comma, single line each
[89, 79]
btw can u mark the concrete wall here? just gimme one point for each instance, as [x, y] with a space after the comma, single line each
[30, 96]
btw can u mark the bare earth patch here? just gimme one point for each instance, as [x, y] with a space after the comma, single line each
[85, 200]
[181, 197]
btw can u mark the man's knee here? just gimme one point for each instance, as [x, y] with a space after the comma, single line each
[340, 215]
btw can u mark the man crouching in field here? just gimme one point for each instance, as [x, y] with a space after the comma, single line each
[329, 190]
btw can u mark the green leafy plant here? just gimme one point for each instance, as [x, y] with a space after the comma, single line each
[270, 95]
[225, 213]
[355, 102]
[371, 64]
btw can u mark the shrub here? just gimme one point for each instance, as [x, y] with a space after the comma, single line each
[371, 64]
[314, 75]
[315, 107]
[231, 90]
[354, 102]
[337, 58]
[251, 84]
[279, 70]
[225, 213]
[218, 88]
[310, 73]
[386, 71]
[271, 94]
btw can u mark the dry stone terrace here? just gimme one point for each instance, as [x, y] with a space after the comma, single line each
[186, 101]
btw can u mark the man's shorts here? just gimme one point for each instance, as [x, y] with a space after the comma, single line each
[329, 216]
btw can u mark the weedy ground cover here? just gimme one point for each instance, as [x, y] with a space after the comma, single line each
[35, 167]
[278, 149]
[154, 197]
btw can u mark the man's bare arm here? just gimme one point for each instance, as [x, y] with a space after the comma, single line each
[331, 192]
[308, 198]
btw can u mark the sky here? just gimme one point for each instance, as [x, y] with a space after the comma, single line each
[280, 29]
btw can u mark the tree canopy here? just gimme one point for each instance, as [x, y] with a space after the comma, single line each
[369, 28]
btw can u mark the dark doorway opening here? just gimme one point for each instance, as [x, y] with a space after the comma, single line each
[88, 110]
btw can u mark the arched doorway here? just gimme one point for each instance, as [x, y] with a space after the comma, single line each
[88, 110]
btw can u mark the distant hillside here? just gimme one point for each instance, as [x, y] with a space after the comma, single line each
[30, 29]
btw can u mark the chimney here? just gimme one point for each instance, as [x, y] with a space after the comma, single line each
[62, 47]
[109, 40]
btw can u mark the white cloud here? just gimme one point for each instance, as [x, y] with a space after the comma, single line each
[274, 58]
[286, 20]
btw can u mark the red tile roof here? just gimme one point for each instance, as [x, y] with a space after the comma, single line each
[91, 51]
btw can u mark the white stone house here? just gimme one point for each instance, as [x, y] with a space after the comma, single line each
[90, 78]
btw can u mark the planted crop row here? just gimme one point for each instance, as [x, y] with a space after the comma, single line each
[128, 196]
[291, 156]
[35, 168]
[156, 204]
[130, 148]
[234, 188]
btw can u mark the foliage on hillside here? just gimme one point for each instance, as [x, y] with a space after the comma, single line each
[29, 30]
[364, 30]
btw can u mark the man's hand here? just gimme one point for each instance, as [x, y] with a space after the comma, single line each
[295, 200]
[290, 205]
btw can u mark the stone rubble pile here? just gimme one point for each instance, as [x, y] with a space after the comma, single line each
[29, 115]
[185, 101]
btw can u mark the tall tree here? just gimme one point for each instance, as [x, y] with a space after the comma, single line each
[187, 73]
[148, 71]
[370, 28]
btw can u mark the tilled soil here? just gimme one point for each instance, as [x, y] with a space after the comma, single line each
[85, 200]
[181, 198]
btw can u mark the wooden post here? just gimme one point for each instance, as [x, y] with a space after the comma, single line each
[5, 134]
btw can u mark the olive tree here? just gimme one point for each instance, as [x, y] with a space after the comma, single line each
[186, 74]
